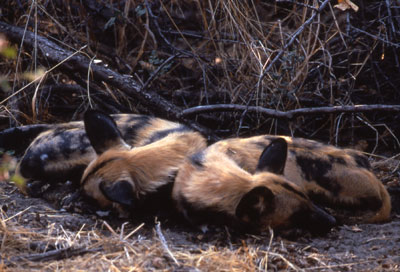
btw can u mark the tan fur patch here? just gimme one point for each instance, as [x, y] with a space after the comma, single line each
[65, 147]
[220, 184]
[148, 167]
[340, 178]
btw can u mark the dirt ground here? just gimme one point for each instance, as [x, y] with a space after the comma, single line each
[35, 235]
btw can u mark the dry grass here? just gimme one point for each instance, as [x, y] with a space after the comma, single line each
[111, 250]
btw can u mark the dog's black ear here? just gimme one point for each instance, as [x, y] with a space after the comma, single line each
[273, 158]
[102, 131]
[120, 192]
[257, 202]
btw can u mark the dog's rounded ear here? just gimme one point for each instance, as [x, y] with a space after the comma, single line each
[273, 158]
[102, 131]
[120, 192]
[257, 202]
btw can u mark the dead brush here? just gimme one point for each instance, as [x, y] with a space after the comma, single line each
[258, 32]
[281, 55]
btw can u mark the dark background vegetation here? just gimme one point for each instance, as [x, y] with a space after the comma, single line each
[213, 52]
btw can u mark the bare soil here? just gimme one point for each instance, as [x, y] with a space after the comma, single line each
[35, 235]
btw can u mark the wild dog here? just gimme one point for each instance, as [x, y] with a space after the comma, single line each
[212, 187]
[134, 179]
[61, 152]
[339, 179]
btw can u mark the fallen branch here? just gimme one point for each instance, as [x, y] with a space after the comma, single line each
[55, 54]
[291, 113]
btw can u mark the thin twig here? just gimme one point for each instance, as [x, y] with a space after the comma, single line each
[160, 32]
[164, 243]
[44, 74]
[61, 253]
[13, 102]
[109, 228]
[297, 3]
[157, 71]
[376, 133]
[56, 254]
[292, 39]
[192, 34]
[291, 113]
[17, 214]
[133, 232]
[291, 265]
[376, 37]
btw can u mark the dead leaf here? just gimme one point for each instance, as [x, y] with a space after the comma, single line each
[345, 5]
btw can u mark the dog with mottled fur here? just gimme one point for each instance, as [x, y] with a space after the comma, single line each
[136, 178]
[124, 161]
[339, 180]
[129, 161]
[61, 152]
[212, 188]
